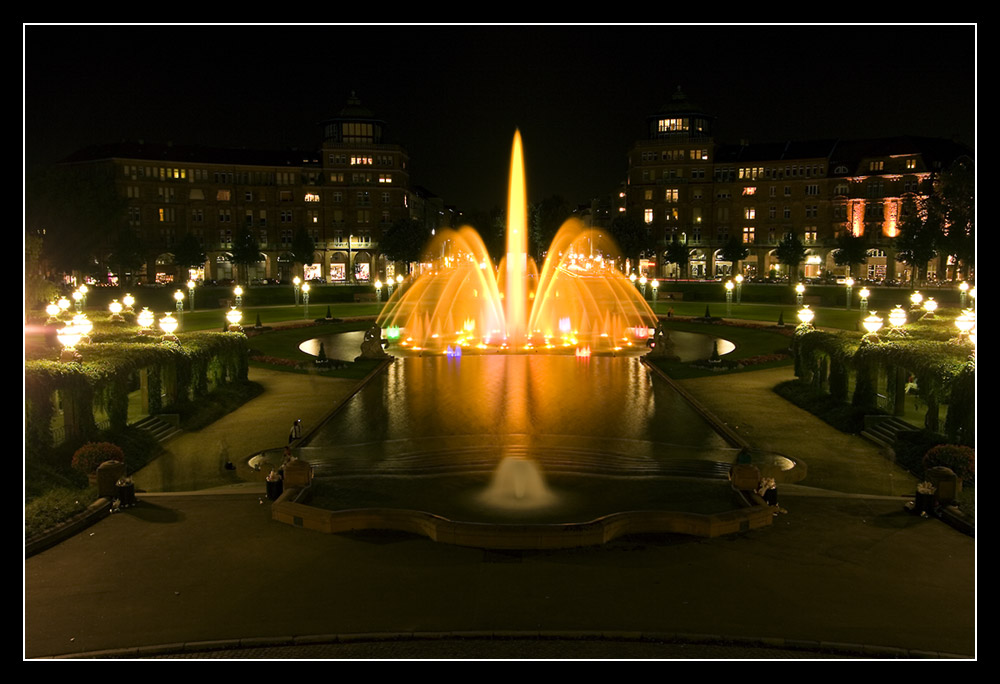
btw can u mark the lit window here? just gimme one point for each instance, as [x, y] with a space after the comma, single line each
[748, 234]
[749, 213]
[312, 197]
[750, 190]
[648, 215]
[385, 178]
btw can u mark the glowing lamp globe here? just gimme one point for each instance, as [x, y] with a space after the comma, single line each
[930, 306]
[69, 335]
[128, 300]
[966, 321]
[897, 317]
[739, 278]
[729, 285]
[872, 323]
[53, 311]
[916, 298]
[168, 324]
[115, 307]
[63, 303]
[234, 316]
[864, 293]
[800, 288]
[146, 319]
[806, 315]
[83, 323]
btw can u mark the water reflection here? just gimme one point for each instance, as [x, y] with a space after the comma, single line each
[531, 403]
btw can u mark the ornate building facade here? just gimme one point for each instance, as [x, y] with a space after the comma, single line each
[343, 196]
[687, 187]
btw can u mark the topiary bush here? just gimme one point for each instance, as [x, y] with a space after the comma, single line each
[960, 459]
[92, 454]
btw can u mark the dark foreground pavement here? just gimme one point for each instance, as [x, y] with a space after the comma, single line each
[836, 576]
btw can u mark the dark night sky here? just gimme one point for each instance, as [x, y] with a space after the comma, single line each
[453, 95]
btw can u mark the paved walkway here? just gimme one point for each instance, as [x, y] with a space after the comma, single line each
[841, 573]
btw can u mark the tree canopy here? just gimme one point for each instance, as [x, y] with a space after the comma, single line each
[405, 240]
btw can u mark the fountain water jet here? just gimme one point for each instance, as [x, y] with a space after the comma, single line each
[578, 299]
[518, 483]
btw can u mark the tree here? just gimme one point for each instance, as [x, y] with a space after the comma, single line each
[405, 240]
[127, 254]
[851, 250]
[734, 251]
[677, 253]
[37, 289]
[245, 253]
[303, 248]
[550, 214]
[188, 253]
[955, 191]
[632, 237]
[919, 235]
[791, 252]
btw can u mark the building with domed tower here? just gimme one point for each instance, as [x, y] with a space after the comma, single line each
[342, 195]
[688, 187]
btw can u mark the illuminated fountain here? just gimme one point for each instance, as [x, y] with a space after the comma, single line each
[578, 300]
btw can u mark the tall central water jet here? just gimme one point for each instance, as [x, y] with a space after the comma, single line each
[515, 281]
[579, 300]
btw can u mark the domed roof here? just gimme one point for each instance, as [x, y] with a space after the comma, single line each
[679, 104]
[355, 110]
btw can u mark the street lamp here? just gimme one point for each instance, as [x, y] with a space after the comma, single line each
[238, 291]
[729, 297]
[656, 286]
[864, 293]
[739, 288]
[115, 307]
[805, 316]
[234, 316]
[146, 320]
[83, 290]
[800, 291]
[849, 282]
[191, 285]
[168, 324]
[78, 300]
[872, 324]
[69, 336]
[966, 322]
[930, 306]
[897, 319]
[297, 285]
[963, 293]
[916, 298]
[642, 285]
[305, 297]
[378, 290]
[179, 298]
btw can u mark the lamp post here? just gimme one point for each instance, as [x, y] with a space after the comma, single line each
[897, 319]
[642, 285]
[191, 286]
[849, 283]
[115, 307]
[800, 291]
[656, 286]
[305, 297]
[146, 320]
[179, 298]
[83, 290]
[168, 324]
[69, 336]
[966, 322]
[234, 316]
[297, 286]
[930, 306]
[739, 288]
[128, 300]
[872, 324]
[864, 293]
[238, 292]
[53, 311]
[63, 305]
[78, 300]
[963, 293]
[805, 316]
[378, 290]
[729, 297]
[633, 277]
[916, 298]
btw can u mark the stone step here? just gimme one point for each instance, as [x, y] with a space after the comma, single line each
[883, 430]
[159, 428]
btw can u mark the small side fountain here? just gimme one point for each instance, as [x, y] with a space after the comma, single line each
[518, 483]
